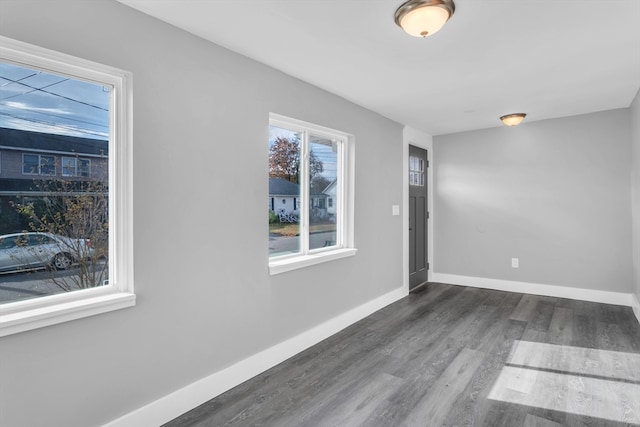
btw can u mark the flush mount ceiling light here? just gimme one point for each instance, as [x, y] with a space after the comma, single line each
[513, 119]
[422, 18]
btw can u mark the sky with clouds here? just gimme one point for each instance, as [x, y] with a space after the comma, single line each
[41, 101]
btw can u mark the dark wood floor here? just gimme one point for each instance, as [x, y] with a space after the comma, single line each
[450, 355]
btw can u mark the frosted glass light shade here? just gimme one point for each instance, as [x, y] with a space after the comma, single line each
[424, 21]
[422, 18]
[513, 119]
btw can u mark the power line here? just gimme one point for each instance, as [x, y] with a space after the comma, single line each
[54, 94]
[24, 78]
[54, 125]
[59, 116]
[34, 90]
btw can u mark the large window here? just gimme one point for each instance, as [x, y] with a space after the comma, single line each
[310, 176]
[66, 241]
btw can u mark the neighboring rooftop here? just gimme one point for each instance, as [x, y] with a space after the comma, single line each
[282, 187]
[22, 139]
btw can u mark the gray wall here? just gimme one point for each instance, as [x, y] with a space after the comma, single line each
[553, 193]
[635, 188]
[205, 299]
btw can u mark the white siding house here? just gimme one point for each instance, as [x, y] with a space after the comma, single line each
[284, 196]
[331, 192]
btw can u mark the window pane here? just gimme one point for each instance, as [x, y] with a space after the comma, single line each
[68, 166]
[47, 165]
[416, 171]
[44, 113]
[84, 167]
[323, 167]
[6, 243]
[284, 191]
[30, 164]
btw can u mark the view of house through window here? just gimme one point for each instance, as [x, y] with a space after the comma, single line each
[54, 174]
[322, 187]
[304, 182]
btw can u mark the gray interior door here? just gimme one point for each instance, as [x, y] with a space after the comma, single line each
[418, 216]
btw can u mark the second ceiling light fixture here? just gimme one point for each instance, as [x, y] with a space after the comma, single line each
[422, 18]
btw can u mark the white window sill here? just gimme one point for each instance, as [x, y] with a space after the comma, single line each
[38, 317]
[289, 264]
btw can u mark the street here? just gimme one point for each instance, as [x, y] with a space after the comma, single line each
[281, 245]
[32, 284]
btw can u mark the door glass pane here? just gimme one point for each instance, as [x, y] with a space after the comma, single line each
[323, 167]
[416, 171]
[284, 191]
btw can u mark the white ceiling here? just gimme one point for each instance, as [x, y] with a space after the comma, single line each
[547, 58]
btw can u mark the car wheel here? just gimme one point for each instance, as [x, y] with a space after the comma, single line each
[62, 261]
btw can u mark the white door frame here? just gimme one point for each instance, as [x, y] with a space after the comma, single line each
[411, 136]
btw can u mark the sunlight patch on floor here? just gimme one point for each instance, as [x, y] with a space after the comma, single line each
[590, 382]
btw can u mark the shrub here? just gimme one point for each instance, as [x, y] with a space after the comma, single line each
[273, 218]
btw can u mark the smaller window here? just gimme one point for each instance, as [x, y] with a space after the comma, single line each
[72, 166]
[68, 166]
[35, 164]
[30, 164]
[84, 167]
[309, 164]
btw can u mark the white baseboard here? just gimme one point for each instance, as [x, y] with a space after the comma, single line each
[635, 304]
[606, 297]
[177, 403]
[173, 405]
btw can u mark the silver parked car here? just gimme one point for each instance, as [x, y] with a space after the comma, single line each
[30, 251]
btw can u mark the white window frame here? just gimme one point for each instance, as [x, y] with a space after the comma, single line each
[344, 197]
[20, 316]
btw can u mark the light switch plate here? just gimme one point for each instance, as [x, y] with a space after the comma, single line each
[395, 210]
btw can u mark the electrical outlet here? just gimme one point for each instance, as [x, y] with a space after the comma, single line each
[515, 263]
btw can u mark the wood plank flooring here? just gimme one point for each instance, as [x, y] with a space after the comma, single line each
[452, 356]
